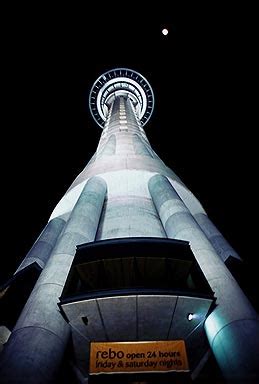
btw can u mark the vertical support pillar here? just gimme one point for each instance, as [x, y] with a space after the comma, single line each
[35, 349]
[43, 246]
[218, 241]
[233, 327]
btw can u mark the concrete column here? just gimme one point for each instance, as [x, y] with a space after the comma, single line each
[221, 245]
[35, 349]
[43, 246]
[233, 327]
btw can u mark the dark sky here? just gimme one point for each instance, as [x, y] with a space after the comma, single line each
[203, 126]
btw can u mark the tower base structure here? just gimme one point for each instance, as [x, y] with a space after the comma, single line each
[132, 261]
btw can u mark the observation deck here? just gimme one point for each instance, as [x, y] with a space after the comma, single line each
[121, 82]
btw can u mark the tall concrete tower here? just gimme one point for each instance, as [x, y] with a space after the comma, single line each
[129, 278]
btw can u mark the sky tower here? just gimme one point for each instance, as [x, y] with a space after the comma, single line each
[129, 279]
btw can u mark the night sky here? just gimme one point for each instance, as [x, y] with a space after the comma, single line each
[203, 125]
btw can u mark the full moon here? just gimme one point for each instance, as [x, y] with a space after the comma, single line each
[165, 31]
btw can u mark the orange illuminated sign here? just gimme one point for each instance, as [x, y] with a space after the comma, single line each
[141, 356]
